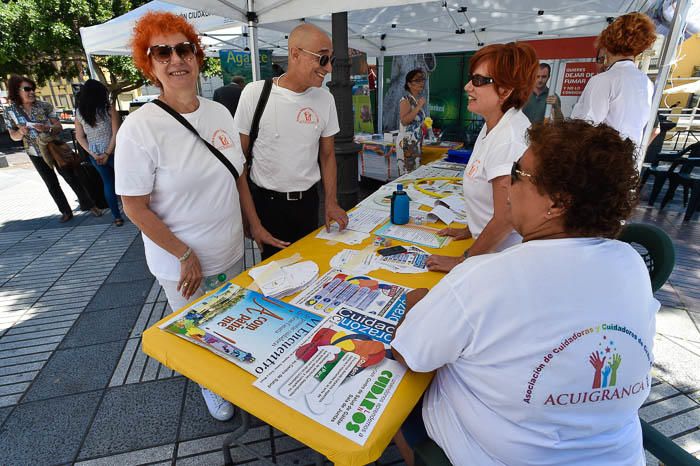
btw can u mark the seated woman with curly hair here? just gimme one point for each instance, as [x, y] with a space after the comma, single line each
[544, 350]
[621, 97]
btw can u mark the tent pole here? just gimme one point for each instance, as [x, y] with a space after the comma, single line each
[253, 40]
[341, 87]
[380, 93]
[668, 53]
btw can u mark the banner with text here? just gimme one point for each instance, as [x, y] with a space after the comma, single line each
[576, 76]
[237, 63]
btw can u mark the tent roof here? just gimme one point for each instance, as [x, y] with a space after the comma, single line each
[459, 26]
[112, 37]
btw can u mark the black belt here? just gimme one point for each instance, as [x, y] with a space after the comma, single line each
[278, 196]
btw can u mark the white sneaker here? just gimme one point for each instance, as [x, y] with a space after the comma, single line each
[220, 409]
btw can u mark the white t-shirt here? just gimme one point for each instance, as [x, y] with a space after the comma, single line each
[620, 97]
[493, 156]
[512, 336]
[191, 191]
[285, 154]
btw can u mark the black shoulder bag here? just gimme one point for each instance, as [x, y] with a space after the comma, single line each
[222, 158]
[255, 126]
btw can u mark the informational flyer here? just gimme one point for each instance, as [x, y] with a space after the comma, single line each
[414, 260]
[243, 326]
[416, 234]
[342, 375]
[365, 220]
[370, 295]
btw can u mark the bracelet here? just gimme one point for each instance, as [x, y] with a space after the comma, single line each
[186, 255]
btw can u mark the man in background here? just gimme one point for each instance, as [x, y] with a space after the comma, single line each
[536, 105]
[230, 94]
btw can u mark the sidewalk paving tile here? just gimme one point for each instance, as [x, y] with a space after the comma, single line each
[197, 422]
[47, 431]
[130, 271]
[76, 370]
[101, 327]
[146, 456]
[135, 417]
[113, 295]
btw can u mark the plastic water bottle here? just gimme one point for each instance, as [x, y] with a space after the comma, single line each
[399, 206]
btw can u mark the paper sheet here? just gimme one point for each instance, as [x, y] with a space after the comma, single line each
[443, 214]
[365, 220]
[456, 203]
[346, 236]
[420, 235]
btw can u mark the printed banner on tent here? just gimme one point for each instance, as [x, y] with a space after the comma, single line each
[576, 75]
[237, 63]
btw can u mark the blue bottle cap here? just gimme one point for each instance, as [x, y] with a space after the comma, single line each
[399, 187]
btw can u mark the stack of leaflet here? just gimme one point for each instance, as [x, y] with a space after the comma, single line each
[449, 209]
[285, 277]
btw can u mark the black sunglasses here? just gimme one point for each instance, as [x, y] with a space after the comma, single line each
[163, 53]
[478, 80]
[600, 60]
[516, 173]
[322, 59]
[28, 88]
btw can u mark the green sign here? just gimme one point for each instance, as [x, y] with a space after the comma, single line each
[237, 63]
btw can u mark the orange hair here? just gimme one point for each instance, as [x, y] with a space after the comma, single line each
[154, 23]
[630, 34]
[512, 66]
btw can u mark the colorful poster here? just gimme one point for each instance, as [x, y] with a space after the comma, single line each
[237, 63]
[243, 326]
[362, 108]
[576, 76]
[370, 295]
[342, 375]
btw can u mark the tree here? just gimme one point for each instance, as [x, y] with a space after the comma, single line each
[41, 38]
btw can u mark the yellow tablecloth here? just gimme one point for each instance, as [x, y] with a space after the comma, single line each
[236, 385]
[432, 153]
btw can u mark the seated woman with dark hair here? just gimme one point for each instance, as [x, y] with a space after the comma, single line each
[544, 350]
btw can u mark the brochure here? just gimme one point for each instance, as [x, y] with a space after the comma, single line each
[416, 234]
[243, 326]
[342, 375]
[414, 260]
[370, 295]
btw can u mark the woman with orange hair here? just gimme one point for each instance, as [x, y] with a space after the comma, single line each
[621, 97]
[178, 189]
[502, 78]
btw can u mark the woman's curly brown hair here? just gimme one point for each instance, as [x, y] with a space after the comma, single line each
[152, 24]
[630, 34]
[590, 169]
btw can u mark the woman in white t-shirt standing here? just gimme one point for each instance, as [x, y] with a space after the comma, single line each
[621, 97]
[175, 190]
[502, 79]
[543, 352]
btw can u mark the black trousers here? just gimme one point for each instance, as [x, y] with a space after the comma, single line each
[285, 220]
[51, 181]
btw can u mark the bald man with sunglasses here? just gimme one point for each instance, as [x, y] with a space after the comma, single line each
[295, 144]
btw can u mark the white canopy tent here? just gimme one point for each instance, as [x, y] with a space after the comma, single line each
[112, 37]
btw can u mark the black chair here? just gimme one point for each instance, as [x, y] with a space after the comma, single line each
[655, 148]
[661, 172]
[690, 180]
[655, 247]
[664, 449]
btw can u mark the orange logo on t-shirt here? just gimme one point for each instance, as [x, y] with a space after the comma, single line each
[473, 168]
[307, 116]
[221, 140]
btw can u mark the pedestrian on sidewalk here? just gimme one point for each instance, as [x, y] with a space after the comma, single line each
[27, 119]
[96, 125]
[179, 190]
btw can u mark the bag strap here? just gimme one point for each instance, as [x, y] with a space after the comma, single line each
[222, 158]
[255, 126]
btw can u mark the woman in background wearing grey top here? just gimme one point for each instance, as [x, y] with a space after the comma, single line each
[96, 125]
